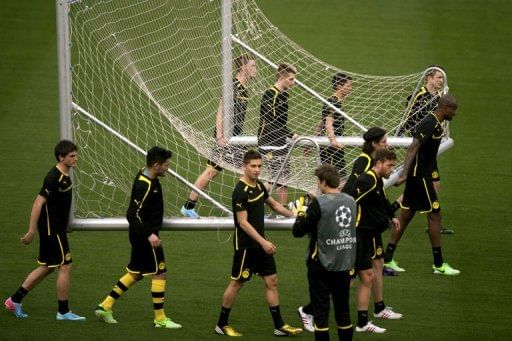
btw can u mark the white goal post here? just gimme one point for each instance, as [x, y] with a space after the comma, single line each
[134, 74]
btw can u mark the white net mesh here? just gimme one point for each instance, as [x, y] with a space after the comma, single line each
[151, 70]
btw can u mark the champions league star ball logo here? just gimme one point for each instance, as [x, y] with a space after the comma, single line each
[343, 216]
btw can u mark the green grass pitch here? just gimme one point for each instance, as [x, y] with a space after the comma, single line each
[469, 38]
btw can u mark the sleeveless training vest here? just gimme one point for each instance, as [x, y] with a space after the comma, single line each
[336, 242]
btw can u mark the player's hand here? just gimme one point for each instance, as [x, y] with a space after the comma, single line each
[395, 223]
[154, 241]
[268, 247]
[300, 207]
[337, 145]
[28, 237]
[294, 137]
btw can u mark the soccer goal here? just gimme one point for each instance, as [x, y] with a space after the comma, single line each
[134, 74]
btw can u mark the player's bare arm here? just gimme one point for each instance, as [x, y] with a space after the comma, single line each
[279, 208]
[329, 129]
[221, 141]
[267, 246]
[411, 154]
[34, 217]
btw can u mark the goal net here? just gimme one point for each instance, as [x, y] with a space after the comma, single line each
[147, 73]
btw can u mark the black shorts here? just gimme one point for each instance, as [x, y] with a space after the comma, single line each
[231, 155]
[273, 161]
[369, 247]
[247, 262]
[420, 195]
[53, 250]
[144, 259]
[334, 157]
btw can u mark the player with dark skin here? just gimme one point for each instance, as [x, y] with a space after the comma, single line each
[419, 193]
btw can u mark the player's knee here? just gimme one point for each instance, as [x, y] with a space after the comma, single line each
[65, 268]
[366, 277]
[271, 281]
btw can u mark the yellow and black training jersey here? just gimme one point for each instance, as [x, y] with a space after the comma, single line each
[422, 104]
[361, 165]
[146, 210]
[374, 211]
[429, 133]
[251, 199]
[338, 119]
[272, 130]
[240, 101]
[57, 190]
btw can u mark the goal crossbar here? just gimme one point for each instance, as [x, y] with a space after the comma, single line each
[351, 141]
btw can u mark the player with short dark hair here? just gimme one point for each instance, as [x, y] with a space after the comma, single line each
[245, 71]
[419, 194]
[145, 216]
[333, 122]
[253, 253]
[330, 221]
[374, 216]
[50, 216]
[273, 130]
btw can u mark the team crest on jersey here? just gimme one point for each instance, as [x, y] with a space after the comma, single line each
[245, 274]
[379, 251]
[352, 272]
[161, 265]
[435, 205]
[435, 175]
[67, 257]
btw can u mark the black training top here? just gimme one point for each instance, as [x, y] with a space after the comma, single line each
[146, 210]
[251, 199]
[57, 190]
[429, 133]
[272, 130]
